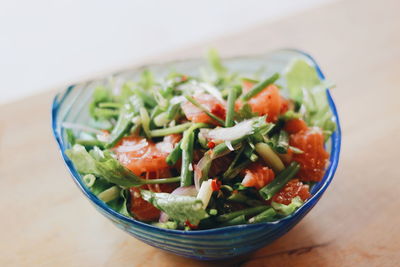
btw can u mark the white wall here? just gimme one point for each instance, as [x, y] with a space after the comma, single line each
[45, 43]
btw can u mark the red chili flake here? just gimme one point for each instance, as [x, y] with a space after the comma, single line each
[105, 132]
[211, 144]
[183, 78]
[215, 184]
[191, 226]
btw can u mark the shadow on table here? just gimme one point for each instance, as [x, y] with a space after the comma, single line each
[299, 247]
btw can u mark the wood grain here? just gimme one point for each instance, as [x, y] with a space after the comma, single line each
[46, 221]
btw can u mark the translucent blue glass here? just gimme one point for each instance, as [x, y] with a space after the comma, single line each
[71, 105]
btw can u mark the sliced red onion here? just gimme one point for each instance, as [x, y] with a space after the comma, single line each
[163, 217]
[185, 191]
[201, 168]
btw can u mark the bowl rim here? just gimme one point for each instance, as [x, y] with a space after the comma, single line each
[328, 176]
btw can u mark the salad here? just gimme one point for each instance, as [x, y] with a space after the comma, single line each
[199, 152]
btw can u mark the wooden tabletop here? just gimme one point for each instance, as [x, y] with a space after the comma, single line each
[45, 220]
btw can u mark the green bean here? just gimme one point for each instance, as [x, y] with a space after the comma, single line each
[105, 112]
[241, 219]
[118, 132]
[110, 105]
[144, 116]
[163, 180]
[161, 119]
[191, 129]
[200, 106]
[249, 153]
[187, 158]
[171, 130]
[90, 143]
[233, 163]
[173, 111]
[238, 197]
[246, 212]
[270, 157]
[264, 216]
[235, 171]
[268, 191]
[248, 150]
[231, 107]
[254, 202]
[124, 123]
[222, 148]
[175, 154]
[245, 79]
[109, 194]
[260, 86]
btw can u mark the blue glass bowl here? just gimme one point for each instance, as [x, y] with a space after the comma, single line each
[71, 105]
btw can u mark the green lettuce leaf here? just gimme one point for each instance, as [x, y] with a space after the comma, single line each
[102, 164]
[306, 87]
[120, 204]
[178, 208]
[117, 199]
[301, 76]
[285, 210]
